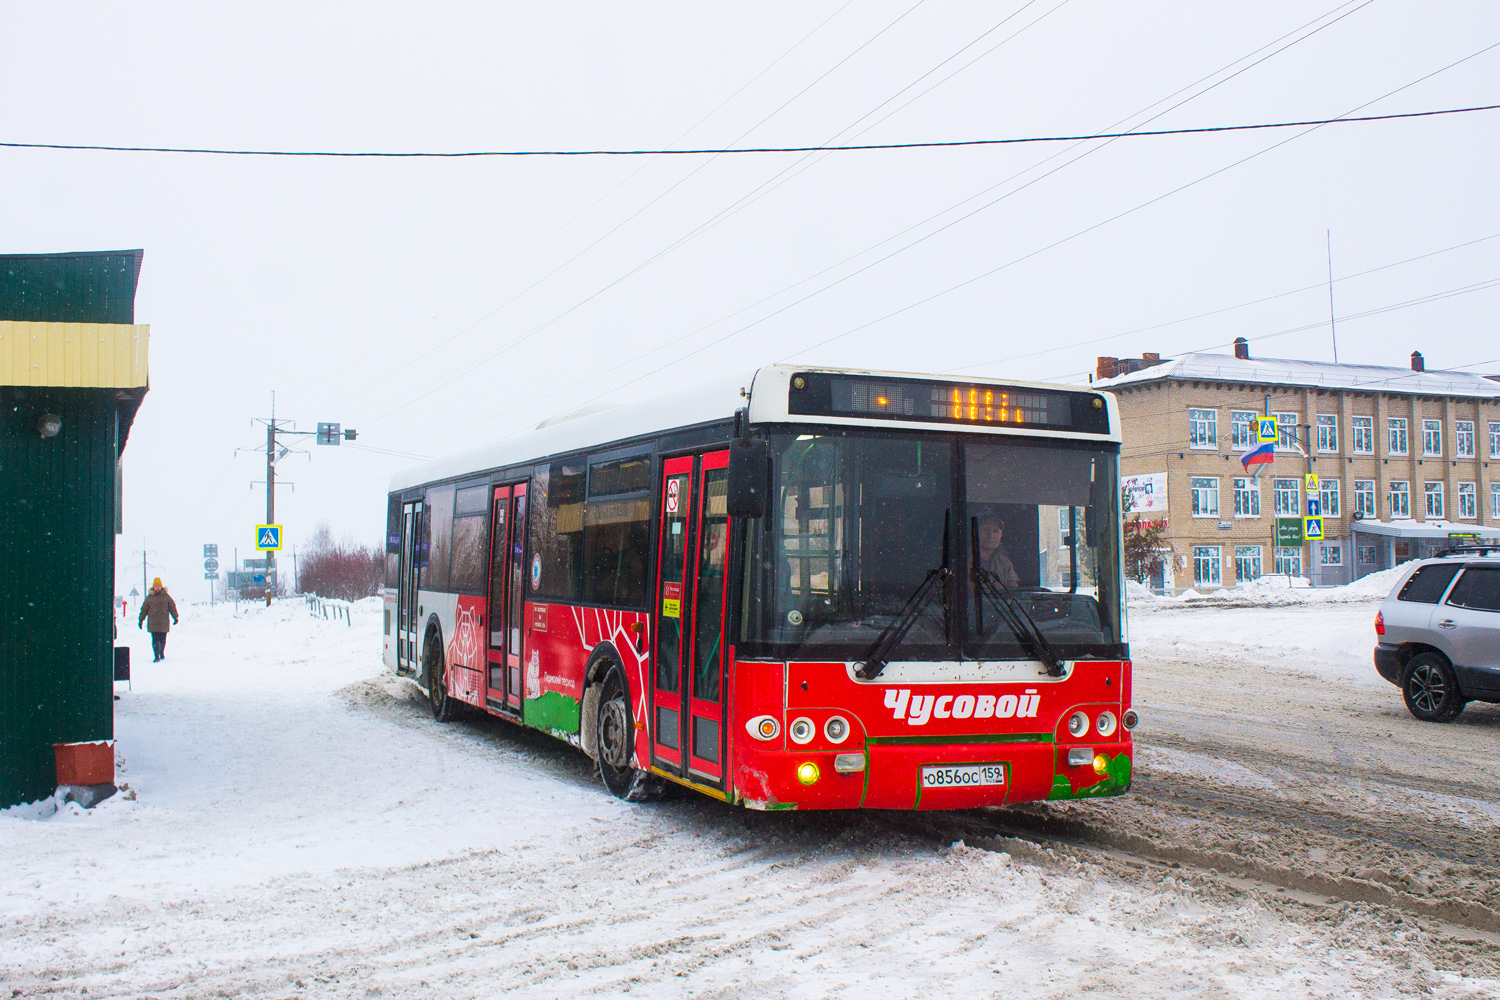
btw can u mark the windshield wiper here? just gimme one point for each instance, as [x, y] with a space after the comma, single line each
[936, 581]
[989, 584]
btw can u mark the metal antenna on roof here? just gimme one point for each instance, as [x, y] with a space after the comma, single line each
[1332, 330]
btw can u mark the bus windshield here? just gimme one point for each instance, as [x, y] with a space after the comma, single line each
[859, 519]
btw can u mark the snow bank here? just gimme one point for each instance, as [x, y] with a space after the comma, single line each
[1272, 591]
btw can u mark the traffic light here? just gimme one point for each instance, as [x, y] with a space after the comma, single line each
[328, 433]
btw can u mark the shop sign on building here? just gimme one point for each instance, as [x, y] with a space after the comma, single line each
[1288, 531]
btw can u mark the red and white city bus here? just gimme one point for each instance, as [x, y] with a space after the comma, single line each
[805, 588]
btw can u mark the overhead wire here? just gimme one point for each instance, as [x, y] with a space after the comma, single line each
[488, 356]
[588, 208]
[1328, 18]
[1317, 286]
[472, 364]
[732, 150]
[1120, 215]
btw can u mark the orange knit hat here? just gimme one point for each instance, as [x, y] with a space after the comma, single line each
[156, 582]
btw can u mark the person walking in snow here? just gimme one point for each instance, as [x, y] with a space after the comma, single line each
[155, 610]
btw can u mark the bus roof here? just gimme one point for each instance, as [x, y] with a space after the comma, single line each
[597, 427]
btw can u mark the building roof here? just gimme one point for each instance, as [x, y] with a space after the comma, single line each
[1314, 374]
[84, 287]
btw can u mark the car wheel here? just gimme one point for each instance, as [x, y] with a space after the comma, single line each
[616, 730]
[443, 707]
[1430, 688]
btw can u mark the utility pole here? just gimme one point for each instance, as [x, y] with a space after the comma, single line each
[271, 495]
[1332, 330]
[327, 433]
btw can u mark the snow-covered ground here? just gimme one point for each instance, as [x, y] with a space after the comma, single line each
[295, 824]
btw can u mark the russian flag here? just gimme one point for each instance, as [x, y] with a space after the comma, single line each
[1261, 454]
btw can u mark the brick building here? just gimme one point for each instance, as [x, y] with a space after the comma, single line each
[1406, 459]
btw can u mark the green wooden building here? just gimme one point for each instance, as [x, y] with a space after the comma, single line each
[72, 375]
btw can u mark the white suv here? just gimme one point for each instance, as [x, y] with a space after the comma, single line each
[1438, 633]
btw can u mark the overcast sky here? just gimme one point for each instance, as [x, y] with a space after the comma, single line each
[436, 304]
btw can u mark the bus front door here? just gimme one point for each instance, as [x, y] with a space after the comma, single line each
[691, 659]
[507, 548]
[408, 656]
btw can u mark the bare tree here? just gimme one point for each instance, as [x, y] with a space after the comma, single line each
[343, 569]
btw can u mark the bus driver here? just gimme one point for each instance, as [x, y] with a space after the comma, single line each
[992, 554]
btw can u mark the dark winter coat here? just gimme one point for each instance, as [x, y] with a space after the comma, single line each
[155, 610]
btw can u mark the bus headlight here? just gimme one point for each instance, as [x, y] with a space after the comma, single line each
[802, 731]
[763, 727]
[807, 773]
[836, 729]
[1105, 723]
[1078, 723]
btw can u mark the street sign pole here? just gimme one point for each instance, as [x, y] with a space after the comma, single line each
[270, 492]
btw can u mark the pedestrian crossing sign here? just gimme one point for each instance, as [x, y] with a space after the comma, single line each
[1312, 529]
[268, 537]
[1266, 429]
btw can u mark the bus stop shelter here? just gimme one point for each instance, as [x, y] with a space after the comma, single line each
[72, 376]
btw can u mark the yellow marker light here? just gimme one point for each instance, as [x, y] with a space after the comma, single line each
[807, 773]
[1101, 764]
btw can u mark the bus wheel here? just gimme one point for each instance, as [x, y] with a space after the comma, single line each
[443, 709]
[616, 731]
[1431, 688]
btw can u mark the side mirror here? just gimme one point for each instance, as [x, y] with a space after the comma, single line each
[749, 477]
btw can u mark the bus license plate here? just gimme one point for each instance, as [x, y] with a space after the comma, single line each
[963, 776]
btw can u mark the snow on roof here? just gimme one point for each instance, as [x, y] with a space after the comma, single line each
[1431, 528]
[1318, 374]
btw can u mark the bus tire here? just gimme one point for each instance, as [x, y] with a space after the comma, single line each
[1430, 688]
[615, 729]
[435, 669]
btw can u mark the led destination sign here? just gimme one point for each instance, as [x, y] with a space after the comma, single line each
[825, 394]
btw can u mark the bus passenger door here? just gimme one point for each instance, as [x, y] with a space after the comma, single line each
[503, 659]
[499, 575]
[688, 675]
[408, 656]
[705, 679]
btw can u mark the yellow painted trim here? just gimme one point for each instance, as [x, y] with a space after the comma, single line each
[711, 792]
[74, 355]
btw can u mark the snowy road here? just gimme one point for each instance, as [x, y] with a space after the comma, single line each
[301, 827]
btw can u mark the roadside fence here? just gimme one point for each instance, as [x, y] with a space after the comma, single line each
[329, 608]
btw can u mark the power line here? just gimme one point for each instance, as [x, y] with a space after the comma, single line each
[467, 367]
[725, 151]
[1216, 312]
[1127, 212]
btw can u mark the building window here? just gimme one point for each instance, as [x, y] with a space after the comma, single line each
[1463, 439]
[1364, 436]
[1434, 494]
[1366, 555]
[1494, 440]
[1400, 499]
[1328, 432]
[1247, 498]
[1205, 497]
[1331, 555]
[1286, 431]
[1432, 437]
[1288, 561]
[1247, 563]
[1203, 428]
[1328, 496]
[1495, 500]
[1364, 498]
[1288, 501]
[1206, 565]
[1468, 497]
[1241, 428]
[1396, 431]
